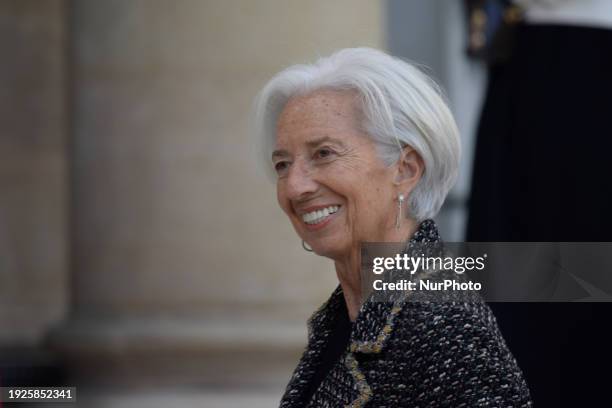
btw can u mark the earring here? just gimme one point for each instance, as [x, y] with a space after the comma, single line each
[400, 202]
[306, 247]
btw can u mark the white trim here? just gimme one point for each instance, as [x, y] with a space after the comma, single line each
[589, 13]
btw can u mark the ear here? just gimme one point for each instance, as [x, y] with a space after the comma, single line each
[410, 168]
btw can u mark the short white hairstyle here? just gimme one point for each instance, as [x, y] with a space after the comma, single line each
[401, 106]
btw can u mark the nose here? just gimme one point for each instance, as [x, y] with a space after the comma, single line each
[300, 182]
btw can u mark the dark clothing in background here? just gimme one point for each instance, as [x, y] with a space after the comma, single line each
[543, 153]
[542, 173]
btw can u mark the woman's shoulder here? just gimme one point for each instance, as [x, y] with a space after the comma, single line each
[448, 309]
[457, 318]
[461, 323]
[436, 308]
[457, 348]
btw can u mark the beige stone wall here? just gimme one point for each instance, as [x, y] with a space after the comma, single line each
[172, 213]
[181, 264]
[33, 171]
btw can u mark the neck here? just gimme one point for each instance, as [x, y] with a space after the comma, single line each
[348, 269]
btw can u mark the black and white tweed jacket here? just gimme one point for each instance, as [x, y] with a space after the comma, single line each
[411, 354]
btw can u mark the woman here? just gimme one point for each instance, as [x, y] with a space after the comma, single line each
[365, 149]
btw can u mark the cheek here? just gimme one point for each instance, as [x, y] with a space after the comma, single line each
[366, 194]
[281, 197]
[375, 200]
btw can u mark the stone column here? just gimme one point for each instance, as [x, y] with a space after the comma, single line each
[33, 170]
[184, 267]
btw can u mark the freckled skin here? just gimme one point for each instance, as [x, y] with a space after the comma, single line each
[353, 176]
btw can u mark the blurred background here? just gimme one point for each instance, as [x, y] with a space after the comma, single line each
[143, 256]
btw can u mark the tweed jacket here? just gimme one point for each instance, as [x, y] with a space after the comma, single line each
[411, 354]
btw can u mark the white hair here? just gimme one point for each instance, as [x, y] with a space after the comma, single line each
[401, 105]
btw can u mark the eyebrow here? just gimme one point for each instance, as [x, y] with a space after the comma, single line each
[311, 143]
[278, 154]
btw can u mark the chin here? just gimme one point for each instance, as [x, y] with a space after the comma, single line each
[330, 243]
[328, 249]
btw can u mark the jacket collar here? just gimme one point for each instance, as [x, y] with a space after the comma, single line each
[375, 321]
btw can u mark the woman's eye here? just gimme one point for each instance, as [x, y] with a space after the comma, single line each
[324, 153]
[281, 167]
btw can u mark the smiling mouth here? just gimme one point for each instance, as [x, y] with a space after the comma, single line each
[319, 216]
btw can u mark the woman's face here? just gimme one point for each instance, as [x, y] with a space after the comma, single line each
[331, 184]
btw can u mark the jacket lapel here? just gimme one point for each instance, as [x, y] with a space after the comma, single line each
[375, 321]
[320, 326]
[372, 328]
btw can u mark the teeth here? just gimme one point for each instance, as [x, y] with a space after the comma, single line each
[316, 217]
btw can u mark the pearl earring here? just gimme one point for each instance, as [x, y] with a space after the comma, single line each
[400, 202]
